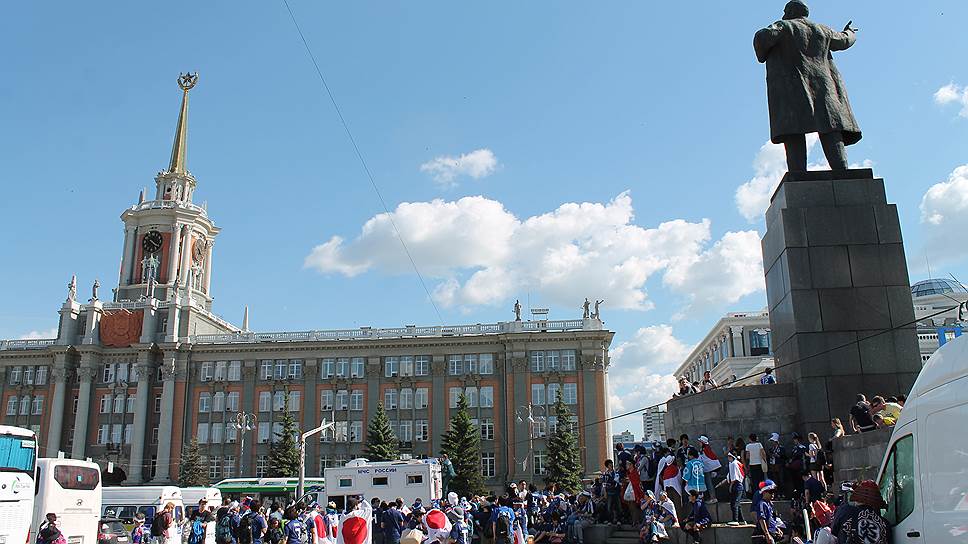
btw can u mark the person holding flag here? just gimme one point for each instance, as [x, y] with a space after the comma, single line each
[711, 464]
[355, 523]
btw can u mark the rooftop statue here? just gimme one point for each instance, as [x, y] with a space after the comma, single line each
[805, 91]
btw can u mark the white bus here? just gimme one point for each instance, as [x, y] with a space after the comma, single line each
[125, 502]
[18, 460]
[410, 480]
[191, 496]
[72, 490]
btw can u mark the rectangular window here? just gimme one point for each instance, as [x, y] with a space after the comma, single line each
[204, 402]
[342, 399]
[129, 402]
[487, 429]
[357, 367]
[37, 405]
[570, 393]
[471, 394]
[262, 466]
[29, 375]
[202, 433]
[12, 405]
[206, 372]
[265, 370]
[488, 464]
[455, 396]
[281, 369]
[341, 431]
[295, 369]
[15, 375]
[421, 430]
[414, 479]
[231, 433]
[420, 398]
[232, 402]
[553, 389]
[406, 399]
[455, 365]
[537, 361]
[538, 394]
[235, 371]
[356, 431]
[421, 365]
[25, 405]
[390, 399]
[264, 432]
[356, 400]
[470, 363]
[108, 374]
[105, 404]
[346, 482]
[391, 366]
[342, 367]
[218, 402]
[326, 399]
[102, 434]
[487, 397]
[279, 401]
[551, 359]
[486, 364]
[217, 433]
[214, 467]
[540, 460]
[154, 435]
[759, 342]
[381, 481]
[328, 368]
[128, 428]
[157, 404]
[119, 403]
[395, 428]
[228, 467]
[295, 401]
[265, 401]
[276, 431]
[221, 371]
[406, 365]
[539, 429]
[568, 359]
[406, 431]
[898, 481]
[123, 372]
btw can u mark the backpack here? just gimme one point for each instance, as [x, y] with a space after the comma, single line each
[503, 524]
[197, 535]
[223, 530]
[244, 532]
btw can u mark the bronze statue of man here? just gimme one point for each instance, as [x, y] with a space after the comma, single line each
[805, 91]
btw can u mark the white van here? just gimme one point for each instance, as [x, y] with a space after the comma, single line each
[924, 475]
[125, 502]
[387, 480]
[191, 496]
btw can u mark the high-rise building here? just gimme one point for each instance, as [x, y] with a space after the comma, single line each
[134, 378]
[653, 424]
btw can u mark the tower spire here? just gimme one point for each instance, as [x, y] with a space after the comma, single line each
[179, 149]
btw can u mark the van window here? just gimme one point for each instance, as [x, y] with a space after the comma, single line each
[179, 514]
[381, 481]
[414, 479]
[897, 483]
[346, 482]
[72, 477]
[945, 485]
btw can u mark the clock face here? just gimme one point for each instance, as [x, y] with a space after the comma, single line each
[152, 241]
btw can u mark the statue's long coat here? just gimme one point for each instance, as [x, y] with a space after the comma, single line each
[805, 91]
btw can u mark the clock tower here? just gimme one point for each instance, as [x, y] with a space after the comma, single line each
[168, 241]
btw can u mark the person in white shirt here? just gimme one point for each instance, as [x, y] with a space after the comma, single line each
[755, 457]
[737, 474]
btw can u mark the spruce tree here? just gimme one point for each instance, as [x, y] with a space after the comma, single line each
[191, 472]
[381, 445]
[284, 452]
[564, 459]
[462, 445]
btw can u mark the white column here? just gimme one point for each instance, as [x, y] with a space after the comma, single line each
[85, 375]
[185, 258]
[58, 374]
[125, 256]
[142, 372]
[174, 252]
[168, 373]
[739, 345]
[208, 268]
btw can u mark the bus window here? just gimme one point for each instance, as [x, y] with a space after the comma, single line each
[16, 454]
[897, 482]
[381, 481]
[178, 513]
[414, 479]
[73, 477]
[346, 482]
[149, 512]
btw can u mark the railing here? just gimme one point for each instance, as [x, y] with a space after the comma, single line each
[26, 344]
[367, 333]
[166, 204]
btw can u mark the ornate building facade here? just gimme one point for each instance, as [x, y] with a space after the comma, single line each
[133, 379]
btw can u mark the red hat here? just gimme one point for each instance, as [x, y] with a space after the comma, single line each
[867, 493]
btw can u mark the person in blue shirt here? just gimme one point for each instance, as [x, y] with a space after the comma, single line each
[392, 523]
[295, 529]
[693, 473]
[502, 522]
[258, 522]
[766, 526]
[458, 531]
[139, 535]
[698, 518]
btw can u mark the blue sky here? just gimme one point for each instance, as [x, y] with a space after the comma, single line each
[651, 114]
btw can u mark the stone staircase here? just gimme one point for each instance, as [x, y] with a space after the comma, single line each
[718, 533]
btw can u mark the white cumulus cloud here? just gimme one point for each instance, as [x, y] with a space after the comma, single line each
[953, 94]
[446, 169]
[731, 269]
[40, 335]
[944, 212]
[482, 254]
[645, 364]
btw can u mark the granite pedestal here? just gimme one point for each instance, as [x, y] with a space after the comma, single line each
[838, 292]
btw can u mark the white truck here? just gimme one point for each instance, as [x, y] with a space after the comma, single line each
[409, 480]
[924, 474]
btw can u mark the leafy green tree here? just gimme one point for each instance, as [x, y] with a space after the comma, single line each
[381, 445]
[284, 452]
[191, 472]
[462, 445]
[564, 459]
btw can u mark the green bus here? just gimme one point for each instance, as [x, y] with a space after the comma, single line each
[268, 490]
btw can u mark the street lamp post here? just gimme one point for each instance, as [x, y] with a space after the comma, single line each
[244, 421]
[301, 489]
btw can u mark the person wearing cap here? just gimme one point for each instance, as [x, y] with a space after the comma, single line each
[768, 378]
[863, 515]
[710, 464]
[776, 459]
[737, 474]
[766, 529]
[458, 528]
[139, 534]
